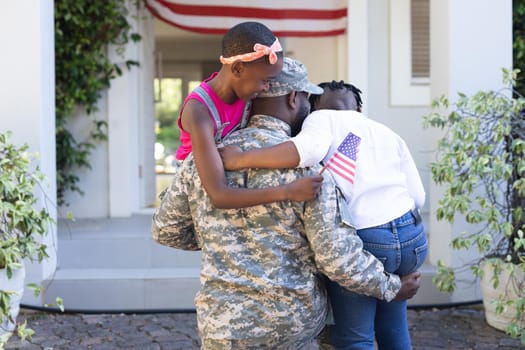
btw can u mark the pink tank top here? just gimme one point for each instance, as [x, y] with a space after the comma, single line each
[228, 115]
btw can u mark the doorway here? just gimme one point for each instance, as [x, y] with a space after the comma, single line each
[183, 60]
[170, 92]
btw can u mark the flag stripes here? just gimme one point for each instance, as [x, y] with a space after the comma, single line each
[344, 161]
[305, 18]
[342, 166]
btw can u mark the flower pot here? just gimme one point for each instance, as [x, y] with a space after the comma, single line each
[507, 288]
[14, 284]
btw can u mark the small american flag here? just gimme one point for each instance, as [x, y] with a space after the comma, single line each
[343, 161]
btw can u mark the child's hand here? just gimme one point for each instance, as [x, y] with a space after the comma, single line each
[304, 189]
[231, 156]
[409, 286]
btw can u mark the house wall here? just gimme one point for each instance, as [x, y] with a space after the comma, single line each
[460, 43]
[325, 58]
[94, 182]
[471, 41]
[405, 119]
[27, 104]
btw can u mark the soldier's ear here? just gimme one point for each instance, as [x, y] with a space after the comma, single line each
[292, 99]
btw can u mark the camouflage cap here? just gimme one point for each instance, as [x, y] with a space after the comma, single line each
[293, 77]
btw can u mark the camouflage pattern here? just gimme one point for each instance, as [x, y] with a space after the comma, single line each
[293, 77]
[260, 265]
[261, 344]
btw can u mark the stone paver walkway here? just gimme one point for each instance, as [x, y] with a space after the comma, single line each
[455, 328]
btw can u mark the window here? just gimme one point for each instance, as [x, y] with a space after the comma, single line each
[409, 53]
[420, 30]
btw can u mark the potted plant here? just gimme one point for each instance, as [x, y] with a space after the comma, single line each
[22, 226]
[481, 165]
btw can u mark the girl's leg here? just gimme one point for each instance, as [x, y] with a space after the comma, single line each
[391, 322]
[354, 314]
[391, 326]
[402, 246]
[354, 318]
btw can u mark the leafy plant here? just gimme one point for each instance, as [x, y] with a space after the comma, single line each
[83, 69]
[481, 165]
[518, 44]
[22, 225]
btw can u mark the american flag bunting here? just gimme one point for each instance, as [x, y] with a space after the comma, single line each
[290, 18]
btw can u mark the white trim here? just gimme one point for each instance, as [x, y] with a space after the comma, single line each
[420, 81]
[404, 90]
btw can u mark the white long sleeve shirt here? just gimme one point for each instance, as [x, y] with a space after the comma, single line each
[386, 183]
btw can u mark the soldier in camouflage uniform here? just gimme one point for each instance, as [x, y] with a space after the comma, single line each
[261, 266]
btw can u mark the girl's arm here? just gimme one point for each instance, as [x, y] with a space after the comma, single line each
[196, 121]
[307, 148]
[283, 155]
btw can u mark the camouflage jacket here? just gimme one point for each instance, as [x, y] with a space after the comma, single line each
[260, 265]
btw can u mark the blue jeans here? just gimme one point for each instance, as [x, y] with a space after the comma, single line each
[402, 247]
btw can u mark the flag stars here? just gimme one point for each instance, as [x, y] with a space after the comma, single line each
[343, 161]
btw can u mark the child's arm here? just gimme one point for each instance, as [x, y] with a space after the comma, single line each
[307, 148]
[196, 121]
[283, 155]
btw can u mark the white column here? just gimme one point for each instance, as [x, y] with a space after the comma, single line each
[27, 103]
[471, 40]
[147, 185]
[123, 131]
[358, 47]
[122, 145]
[131, 117]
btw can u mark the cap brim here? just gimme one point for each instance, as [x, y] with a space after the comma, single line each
[313, 89]
[273, 94]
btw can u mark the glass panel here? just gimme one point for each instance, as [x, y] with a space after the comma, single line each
[193, 84]
[169, 91]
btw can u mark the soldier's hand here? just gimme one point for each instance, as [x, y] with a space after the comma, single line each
[304, 189]
[231, 156]
[409, 286]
